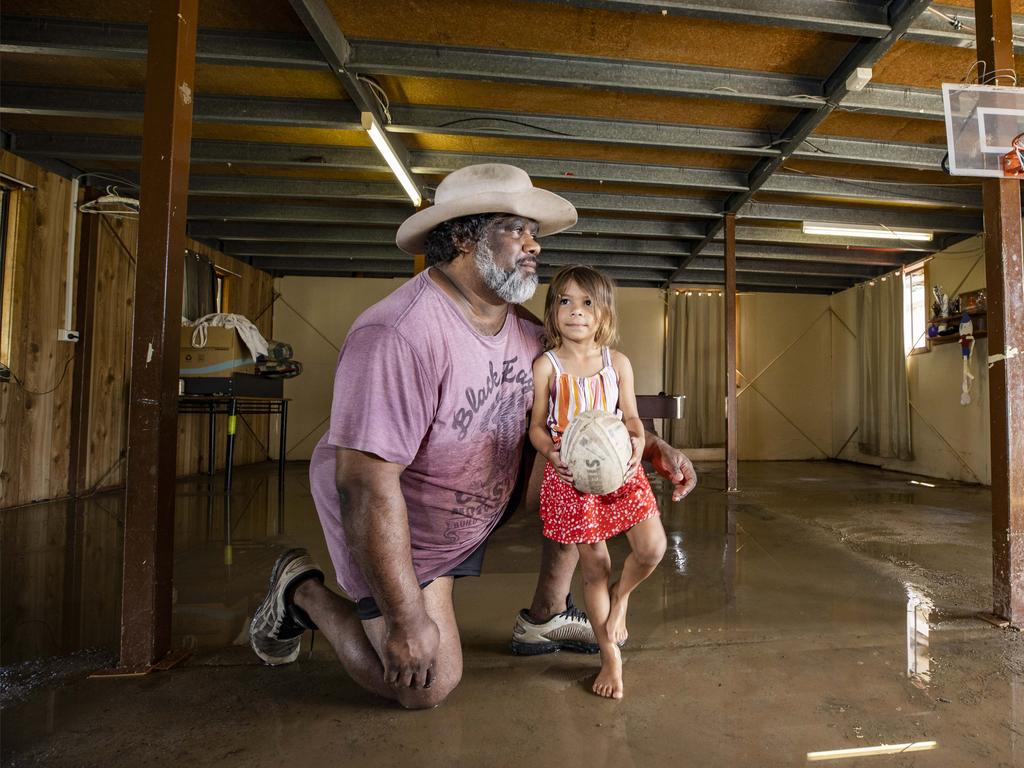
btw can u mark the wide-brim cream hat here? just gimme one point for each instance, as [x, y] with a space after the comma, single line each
[487, 188]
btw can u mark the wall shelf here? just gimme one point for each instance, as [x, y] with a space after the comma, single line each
[979, 333]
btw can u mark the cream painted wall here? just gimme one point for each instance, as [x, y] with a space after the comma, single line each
[785, 376]
[314, 315]
[950, 440]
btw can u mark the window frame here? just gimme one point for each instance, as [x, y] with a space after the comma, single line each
[909, 273]
[9, 204]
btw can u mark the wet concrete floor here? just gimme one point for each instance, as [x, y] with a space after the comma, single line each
[826, 606]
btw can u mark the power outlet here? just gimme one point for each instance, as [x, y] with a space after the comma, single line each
[66, 335]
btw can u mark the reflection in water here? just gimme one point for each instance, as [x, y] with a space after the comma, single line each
[60, 583]
[61, 578]
[698, 574]
[919, 609]
[677, 553]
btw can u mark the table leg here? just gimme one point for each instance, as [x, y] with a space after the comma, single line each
[211, 461]
[230, 458]
[283, 428]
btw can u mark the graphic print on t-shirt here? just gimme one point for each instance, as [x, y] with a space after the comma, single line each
[493, 417]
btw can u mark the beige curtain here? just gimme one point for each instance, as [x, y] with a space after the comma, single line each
[697, 367]
[884, 399]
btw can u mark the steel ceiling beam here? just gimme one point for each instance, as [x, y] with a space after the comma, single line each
[895, 101]
[840, 17]
[100, 40]
[457, 121]
[589, 170]
[340, 251]
[378, 57]
[61, 145]
[865, 53]
[397, 267]
[838, 149]
[963, 195]
[893, 218]
[812, 254]
[240, 230]
[757, 279]
[776, 266]
[231, 110]
[344, 115]
[282, 187]
[792, 236]
[392, 217]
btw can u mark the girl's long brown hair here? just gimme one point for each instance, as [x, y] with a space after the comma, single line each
[601, 291]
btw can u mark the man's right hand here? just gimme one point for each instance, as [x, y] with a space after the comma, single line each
[410, 650]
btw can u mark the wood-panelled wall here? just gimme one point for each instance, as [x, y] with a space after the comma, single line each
[34, 429]
[35, 415]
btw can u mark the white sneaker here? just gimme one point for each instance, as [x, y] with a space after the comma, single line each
[569, 630]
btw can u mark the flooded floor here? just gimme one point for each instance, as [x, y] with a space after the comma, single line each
[825, 613]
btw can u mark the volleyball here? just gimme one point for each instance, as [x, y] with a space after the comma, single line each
[597, 449]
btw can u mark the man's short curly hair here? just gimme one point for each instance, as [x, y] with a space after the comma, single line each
[443, 241]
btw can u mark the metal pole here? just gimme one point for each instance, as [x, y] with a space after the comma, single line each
[156, 329]
[1004, 285]
[731, 418]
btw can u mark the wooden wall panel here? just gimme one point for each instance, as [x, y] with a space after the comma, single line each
[34, 429]
[35, 417]
[117, 243]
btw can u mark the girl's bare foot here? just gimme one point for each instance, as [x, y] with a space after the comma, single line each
[609, 679]
[616, 625]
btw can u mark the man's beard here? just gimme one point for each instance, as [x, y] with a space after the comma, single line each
[510, 285]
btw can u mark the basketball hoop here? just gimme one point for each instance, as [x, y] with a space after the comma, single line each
[984, 130]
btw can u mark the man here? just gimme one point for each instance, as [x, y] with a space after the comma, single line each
[421, 460]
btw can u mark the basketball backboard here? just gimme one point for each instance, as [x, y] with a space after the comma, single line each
[982, 122]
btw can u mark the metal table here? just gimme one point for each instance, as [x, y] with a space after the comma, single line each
[233, 407]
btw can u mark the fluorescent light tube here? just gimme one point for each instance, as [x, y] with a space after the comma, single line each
[851, 230]
[380, 141]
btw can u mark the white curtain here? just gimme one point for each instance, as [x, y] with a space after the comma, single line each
[697, 367]
[884, 399]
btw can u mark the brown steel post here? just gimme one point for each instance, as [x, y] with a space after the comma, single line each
[1004, 284]
[731, 418]
[156, 329]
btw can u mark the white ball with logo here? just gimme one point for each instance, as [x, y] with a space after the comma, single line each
[597, 449]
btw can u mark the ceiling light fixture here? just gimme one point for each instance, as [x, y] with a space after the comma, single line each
[390, 155]
[879, 232]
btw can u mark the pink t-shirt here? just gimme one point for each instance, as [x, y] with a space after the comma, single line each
[417, 385]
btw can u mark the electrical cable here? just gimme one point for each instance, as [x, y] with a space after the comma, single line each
[56, 386]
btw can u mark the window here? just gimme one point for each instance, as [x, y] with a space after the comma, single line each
[220, 291]
[6, 272]
[915, 309]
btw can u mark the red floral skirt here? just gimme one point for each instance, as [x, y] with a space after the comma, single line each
[571, 517]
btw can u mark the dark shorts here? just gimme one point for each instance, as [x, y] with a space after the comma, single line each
[366, 608]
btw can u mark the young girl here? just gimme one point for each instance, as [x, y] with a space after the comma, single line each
[577, 374]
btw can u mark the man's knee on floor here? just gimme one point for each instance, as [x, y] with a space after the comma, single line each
[427, 698]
